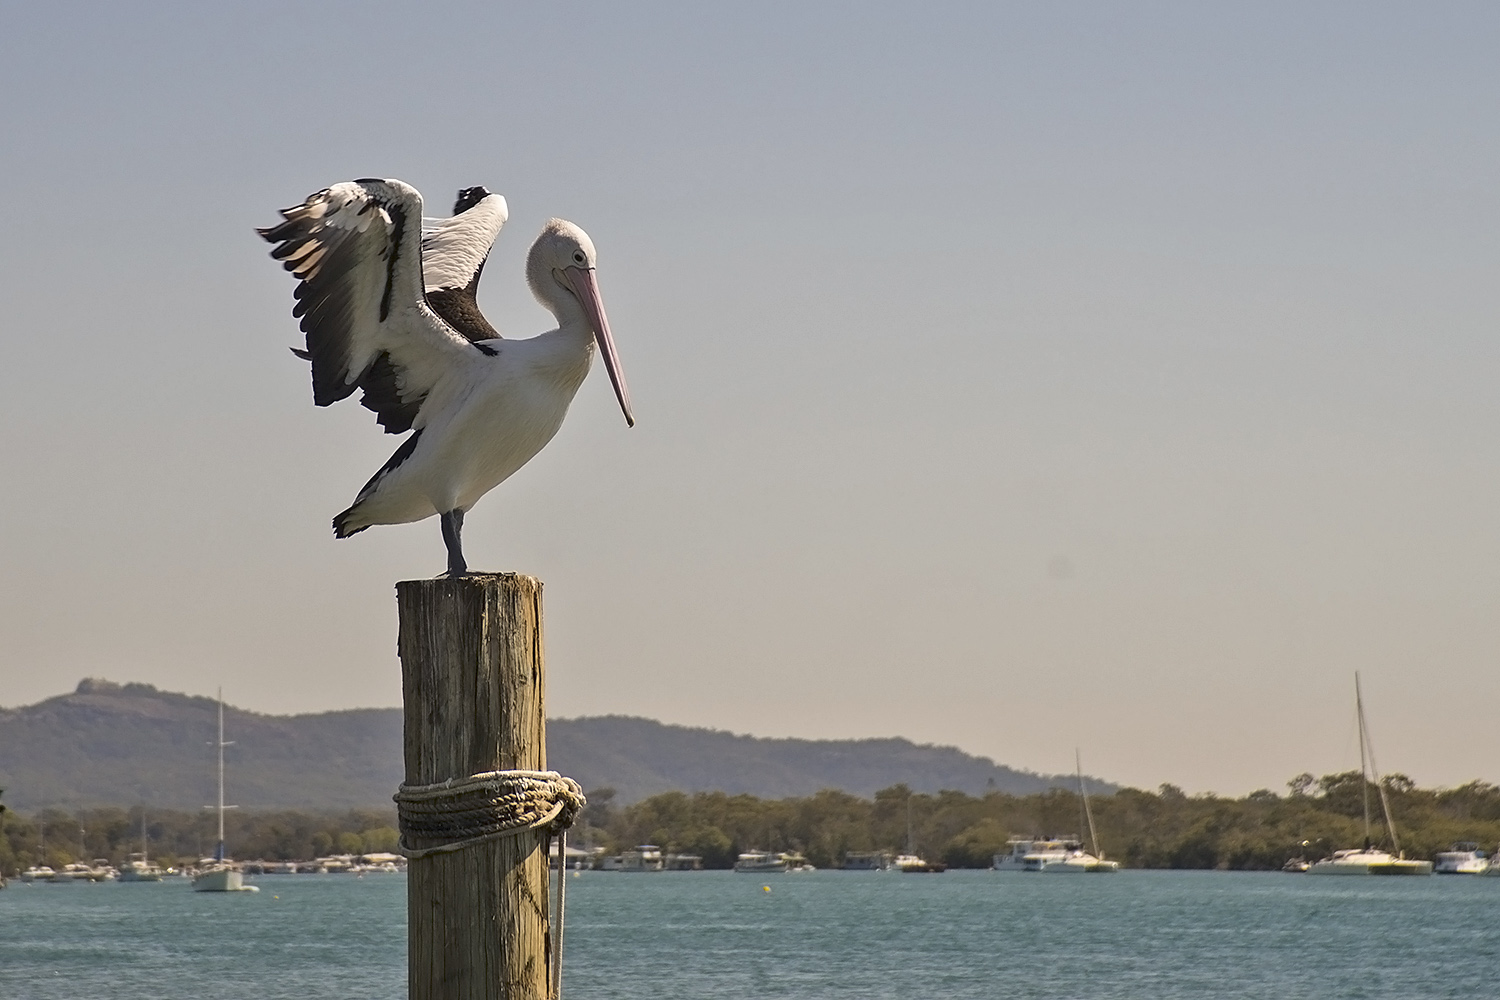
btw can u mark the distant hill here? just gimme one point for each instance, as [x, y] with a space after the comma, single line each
[642, 757]
[128, 744]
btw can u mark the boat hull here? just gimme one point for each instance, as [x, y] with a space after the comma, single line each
[1460, 861]
[1074, 863]
[1081, 868]
[1369, 863]
[221, 880]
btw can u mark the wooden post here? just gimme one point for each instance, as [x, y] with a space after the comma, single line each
[472, 684]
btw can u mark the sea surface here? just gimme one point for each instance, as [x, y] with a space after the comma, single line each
[730, 936]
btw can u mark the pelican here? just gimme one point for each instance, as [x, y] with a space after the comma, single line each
[392, 312]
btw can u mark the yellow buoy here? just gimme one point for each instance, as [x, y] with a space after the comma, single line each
[766, 887]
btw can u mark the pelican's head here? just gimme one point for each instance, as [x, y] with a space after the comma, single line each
[559, 268]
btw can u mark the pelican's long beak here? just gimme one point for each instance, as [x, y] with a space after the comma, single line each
[587, 289]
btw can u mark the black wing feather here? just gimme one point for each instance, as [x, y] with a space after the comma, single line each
[383, 396]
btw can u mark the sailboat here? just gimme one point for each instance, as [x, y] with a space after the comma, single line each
[221, 875]
[140, 867]
[1079, 861]
[1369, 860]
[1067, 856]
[911, 862]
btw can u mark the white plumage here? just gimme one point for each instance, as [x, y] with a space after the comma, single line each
[392, 312]
[454, 250]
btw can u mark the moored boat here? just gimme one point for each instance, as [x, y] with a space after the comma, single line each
[140, 869]
[219, 874]
[1369, 860]
[761, 861]
[1074, 862]
[1067, 857]
[866, 861]
[1464, 858]
[644, 858]
[1020, 848]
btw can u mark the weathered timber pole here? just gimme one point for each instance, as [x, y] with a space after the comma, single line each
[472, 684]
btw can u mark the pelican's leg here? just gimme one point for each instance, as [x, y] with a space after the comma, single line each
[453, 526]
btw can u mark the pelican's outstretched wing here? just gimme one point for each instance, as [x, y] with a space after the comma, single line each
[453, 255]
[356, 249]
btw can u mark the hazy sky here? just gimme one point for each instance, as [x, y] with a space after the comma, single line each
[1015, 376]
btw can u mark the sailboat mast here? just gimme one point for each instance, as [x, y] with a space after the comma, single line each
[909, 849]
[221, 743]
[1364, 767]
[1369, 748]
[1087, 812]
[221, 769]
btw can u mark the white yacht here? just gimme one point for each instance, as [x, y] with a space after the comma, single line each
[1462, 859]
[1072, 859]
[139, 869]
[762, 861]
[219, 874]
[645, 858]
[1369, 860]
[1042, 848]
[912, 862]
[866, 861]
[39, 873]
[1079, 862]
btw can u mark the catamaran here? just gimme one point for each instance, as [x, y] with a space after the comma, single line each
[1074, 860]
[1369, 860]
[221, 874]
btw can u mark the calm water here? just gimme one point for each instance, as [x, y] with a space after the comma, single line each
[823, 934]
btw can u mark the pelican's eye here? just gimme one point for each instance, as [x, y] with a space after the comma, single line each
[579, 258]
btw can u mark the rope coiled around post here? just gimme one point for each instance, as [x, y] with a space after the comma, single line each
[461, 812]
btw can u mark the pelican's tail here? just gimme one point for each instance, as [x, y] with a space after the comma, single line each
[342, 522]
[353, 521]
